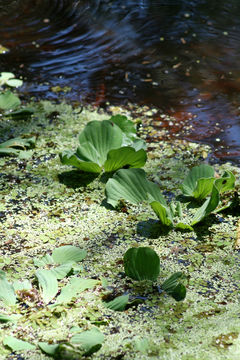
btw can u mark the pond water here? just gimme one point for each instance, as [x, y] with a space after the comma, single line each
[182, 57]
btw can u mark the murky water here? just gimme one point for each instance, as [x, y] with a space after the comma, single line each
[179, 56]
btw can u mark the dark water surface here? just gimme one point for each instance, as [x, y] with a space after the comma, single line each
[182, 57]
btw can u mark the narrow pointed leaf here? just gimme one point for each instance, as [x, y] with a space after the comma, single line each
[125, 156]
[68, 253]
[48, 284]
[208, 206]
[16, 344]
[141, 263]
[162, 212]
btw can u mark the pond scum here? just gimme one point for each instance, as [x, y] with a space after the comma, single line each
[45, 205]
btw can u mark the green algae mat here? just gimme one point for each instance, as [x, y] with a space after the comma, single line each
[63, 245]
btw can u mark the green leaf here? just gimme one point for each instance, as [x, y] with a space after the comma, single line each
[142, 345]
[7, 293]
[132, 185]
[16, 344]
[163, 213]
[47, 348]
[48, 284]
[125, 125]
[8, 78]
[170, 284]
[8, 100]
[7, 318]
[103, 144]
[208, 206]
[19, 143]
[179, 293]
[97, 138]
[20, 114]
[141, 263]
[68, 253]
[75, 287]
[199, 182]
[182, 226]
[118, 304]
[90, 341]
[125, 156]
[174, 288]
[22, 285]
[45, 260]
[14, 82]
[70, 158]
[63, 270]
[226, 182]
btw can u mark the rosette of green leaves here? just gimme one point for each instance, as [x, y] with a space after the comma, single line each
[201, 184]
[109, 144]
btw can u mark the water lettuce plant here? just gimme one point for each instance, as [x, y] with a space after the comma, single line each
[8, 78]
[81, 344]
[132, 185]
[17, 146]
[109, 144]
[143, 263]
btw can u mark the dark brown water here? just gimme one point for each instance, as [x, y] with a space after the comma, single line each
[179, 56]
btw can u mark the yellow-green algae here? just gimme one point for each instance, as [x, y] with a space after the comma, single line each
[44, 204]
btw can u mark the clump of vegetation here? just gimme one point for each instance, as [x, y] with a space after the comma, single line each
[132, 185]
[107, 145]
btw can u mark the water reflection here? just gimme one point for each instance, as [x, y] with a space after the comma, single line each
[180, 56]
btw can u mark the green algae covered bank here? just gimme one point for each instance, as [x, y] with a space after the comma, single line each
[45, 205]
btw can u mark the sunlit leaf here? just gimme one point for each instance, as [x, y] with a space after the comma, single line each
[68, 253]
[16, 344]
[22, 285]
[8, 100]
[132, 185]
[45, 260]
[90, 341]
[76, 286]
[47, 348]
[141, 263]
[48, 284]
[162, 212]
[7, 293]
[63, 270]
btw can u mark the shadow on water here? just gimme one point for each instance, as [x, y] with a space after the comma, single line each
[179, 56]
